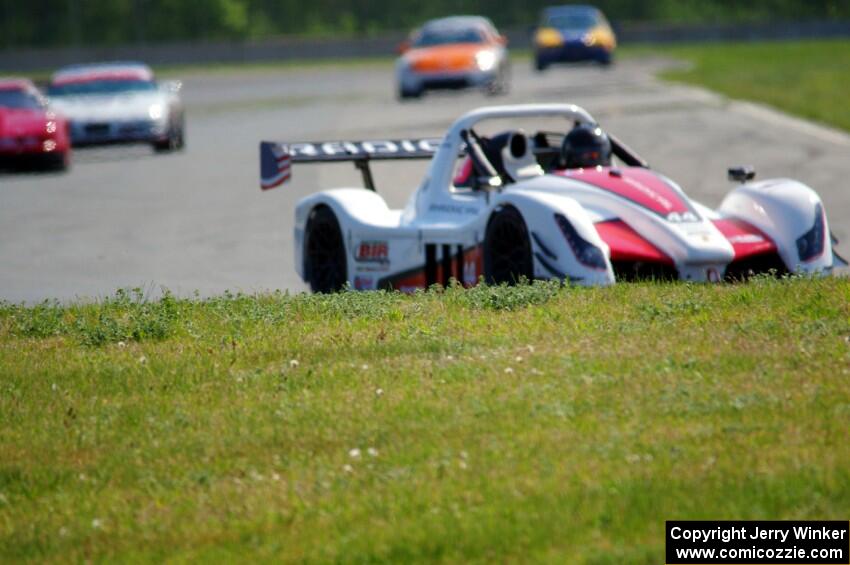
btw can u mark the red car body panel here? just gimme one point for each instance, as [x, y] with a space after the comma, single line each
[654, 193]
[746, 240]
[31, 132]
[641, 186]
[628, 245]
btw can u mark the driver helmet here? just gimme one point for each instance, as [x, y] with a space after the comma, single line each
[586, 146]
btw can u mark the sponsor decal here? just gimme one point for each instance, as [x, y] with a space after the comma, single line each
[684, 217]
[373, 268]
[643, 187]
[453, 209]
[374, 148]
[745, 238]
[364, 283]
[649, 193]
[373, 252]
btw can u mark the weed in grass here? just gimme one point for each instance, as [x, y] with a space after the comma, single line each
[503, 297]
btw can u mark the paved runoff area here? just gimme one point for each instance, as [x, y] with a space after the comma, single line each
[197, 221]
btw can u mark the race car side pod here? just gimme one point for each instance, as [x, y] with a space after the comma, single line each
[277, 158]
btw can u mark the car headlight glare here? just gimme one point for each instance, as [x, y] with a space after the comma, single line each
[156, 112]
[485, 60]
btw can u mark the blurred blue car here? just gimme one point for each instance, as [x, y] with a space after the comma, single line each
[573, 33]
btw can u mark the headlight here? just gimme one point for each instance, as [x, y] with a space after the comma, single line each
[485, 60]
[50, 127]
[156, 112]
[810, 245]
[587, 254]
[548, 37]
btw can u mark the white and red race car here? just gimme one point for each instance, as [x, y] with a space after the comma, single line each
[513, 206]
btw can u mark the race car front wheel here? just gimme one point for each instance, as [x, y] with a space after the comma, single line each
[507, 248]
[325, 265]
[175, 141]
[500, 83]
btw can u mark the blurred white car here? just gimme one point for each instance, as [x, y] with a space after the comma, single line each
[119, 103]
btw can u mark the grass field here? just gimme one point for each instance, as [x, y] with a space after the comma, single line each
[535, 423]
[807, 78]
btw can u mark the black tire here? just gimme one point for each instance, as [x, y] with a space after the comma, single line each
[507, 248]
[181, 136]
[500, 85]
[325, 264]
[540, 65]
[57, 163]
[407, 94]
[176, 139]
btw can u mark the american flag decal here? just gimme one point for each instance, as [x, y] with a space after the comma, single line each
[275, 162]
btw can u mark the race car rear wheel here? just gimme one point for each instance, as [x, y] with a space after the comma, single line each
[325, 265]
[507, 248]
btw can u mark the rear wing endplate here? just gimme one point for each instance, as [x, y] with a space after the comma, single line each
[276, 159]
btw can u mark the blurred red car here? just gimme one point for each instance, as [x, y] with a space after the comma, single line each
[30, 133]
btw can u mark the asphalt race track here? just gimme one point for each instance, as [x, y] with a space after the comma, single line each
[197, 220]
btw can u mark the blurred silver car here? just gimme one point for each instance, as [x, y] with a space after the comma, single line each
[453, 53]
[119, 103]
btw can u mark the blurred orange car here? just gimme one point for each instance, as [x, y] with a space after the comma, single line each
[453, 53]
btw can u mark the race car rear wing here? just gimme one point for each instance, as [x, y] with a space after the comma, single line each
[276, 159]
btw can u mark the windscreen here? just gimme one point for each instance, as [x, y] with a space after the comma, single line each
[18, 99]
[95, 87]
[446, 36]
[571, 20]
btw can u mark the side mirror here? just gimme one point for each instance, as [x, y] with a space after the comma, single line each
[403, 47]
[502, 40]
[742, 173]
[172, 86]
